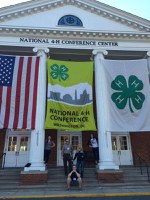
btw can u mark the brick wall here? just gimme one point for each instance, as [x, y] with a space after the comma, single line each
[2, 143]
[110, 176]
[140, 143]
[33, 178]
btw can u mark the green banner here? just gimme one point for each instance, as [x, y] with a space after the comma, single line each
[69, 96]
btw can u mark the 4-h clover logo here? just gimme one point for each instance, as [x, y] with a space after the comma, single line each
[127, 93]
[59, 72]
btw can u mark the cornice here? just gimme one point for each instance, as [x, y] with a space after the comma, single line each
[95, 7]
[27, 32]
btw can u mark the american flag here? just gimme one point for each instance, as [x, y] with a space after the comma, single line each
[18, 91]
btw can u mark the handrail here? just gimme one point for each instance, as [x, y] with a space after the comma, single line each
[141, 162]
[3, 156]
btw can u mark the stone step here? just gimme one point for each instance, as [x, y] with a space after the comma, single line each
[56, 179]
[9, 178]
[133, 174]
[52, 187]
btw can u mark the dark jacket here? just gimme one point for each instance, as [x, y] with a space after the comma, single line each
[80, 155]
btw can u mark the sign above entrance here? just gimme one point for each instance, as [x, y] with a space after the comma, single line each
[66, 42]
[32, 41]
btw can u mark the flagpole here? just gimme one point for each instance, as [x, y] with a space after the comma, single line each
[104, 136]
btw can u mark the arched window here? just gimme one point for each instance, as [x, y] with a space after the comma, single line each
[70, 20]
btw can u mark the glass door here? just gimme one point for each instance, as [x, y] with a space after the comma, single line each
[17, 149]
[75, 140]
[121, 149]
[23, 150]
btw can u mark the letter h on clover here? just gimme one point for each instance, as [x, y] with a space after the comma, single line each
[59, 72]
[127, 92]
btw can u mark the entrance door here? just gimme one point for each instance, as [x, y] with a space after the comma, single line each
[121, 149]
[75, 140]
[17, 149]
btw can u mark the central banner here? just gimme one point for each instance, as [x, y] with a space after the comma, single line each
[69, 96]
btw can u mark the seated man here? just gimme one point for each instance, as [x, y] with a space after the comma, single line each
[74, 177]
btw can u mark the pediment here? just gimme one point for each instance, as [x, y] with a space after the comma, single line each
[95, 16]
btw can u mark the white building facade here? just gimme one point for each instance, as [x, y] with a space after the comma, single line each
[79, 31]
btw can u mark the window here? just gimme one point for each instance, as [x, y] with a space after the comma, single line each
[70, 20]
[12, 143]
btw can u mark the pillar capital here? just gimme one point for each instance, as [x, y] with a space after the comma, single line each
[101, 52]
[40, 50]
[148, 54]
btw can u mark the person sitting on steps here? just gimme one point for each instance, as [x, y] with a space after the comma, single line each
[73, 178]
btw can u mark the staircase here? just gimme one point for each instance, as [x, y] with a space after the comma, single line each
[9, 178]
[57, 179]
[132, 175]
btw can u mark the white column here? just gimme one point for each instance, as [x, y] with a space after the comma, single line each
[104, 136]
[148, 62]
[38, 135]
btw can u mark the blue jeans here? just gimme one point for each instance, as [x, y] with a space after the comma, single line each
[96, 154]
[80, 167]
[46, 155]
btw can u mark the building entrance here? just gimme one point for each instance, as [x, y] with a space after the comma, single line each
[75, 139]
[17, 147]
[121, 149]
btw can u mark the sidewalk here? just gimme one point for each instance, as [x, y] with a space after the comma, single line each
[74, 192]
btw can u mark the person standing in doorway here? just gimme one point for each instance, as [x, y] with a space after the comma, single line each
[93, 143]
[67, 153]
[49, 144]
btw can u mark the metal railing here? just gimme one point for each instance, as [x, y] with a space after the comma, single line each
[142, 163]
[3, 157]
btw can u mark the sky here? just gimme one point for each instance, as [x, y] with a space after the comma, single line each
[137, 7]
